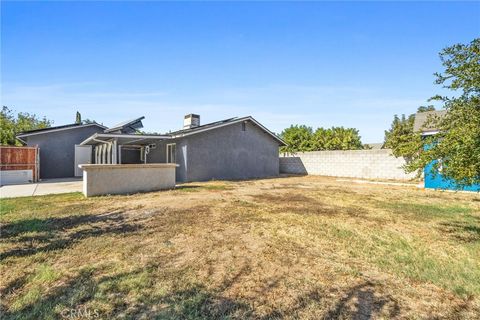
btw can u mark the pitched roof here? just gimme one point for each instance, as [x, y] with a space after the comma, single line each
[421, 121]
[128, 126]
[203, 126]
[222, 123]
[57, 128]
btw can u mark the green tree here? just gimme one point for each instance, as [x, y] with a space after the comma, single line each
[426, 108]
[302, 138]
[11, 125]
[458, 142]
[298, 138]
[78, 118]
[336, 138]
[89, 121]
[320, 139]
[401, 138]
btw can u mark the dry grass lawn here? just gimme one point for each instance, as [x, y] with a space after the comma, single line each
[293, 247]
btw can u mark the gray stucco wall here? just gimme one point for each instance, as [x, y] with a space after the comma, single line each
[57, 150]
[221, 153]
[227, 153]
[159, 155]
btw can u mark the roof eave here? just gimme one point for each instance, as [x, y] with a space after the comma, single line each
[21, 140]
[21, 135]
[281, 142]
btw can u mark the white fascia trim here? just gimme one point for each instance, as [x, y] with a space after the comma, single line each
[430, 133]
[61, 129]
[23, 141]
[120, 135]
[230, 123]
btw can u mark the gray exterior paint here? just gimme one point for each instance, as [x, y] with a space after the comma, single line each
[220, 151]
[224, 153]
[57, 149]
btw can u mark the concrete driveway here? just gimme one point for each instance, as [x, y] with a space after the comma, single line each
[41, 188]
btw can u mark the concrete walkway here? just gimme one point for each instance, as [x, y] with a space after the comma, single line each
[50, 186]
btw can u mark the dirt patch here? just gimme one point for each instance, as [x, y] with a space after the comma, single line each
[302, 204]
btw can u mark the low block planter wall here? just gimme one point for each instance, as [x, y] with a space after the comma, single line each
[102, 179]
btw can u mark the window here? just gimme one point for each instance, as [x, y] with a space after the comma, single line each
[244, 126]
[171, 151]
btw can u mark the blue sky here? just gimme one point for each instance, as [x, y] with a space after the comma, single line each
[324, 64]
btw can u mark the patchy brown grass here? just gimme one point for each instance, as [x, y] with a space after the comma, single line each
[296, 247]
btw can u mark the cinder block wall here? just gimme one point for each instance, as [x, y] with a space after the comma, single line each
[368, 164]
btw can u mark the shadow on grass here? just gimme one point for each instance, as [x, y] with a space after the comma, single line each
[109, 297]
[305, 205]
[49, 234]
[426, 212]
[362, 302]
[461, 231]
[193, 302]
[188, 188]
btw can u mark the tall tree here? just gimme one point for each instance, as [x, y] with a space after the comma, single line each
[78, 118]
[458, 142]
[11, 125]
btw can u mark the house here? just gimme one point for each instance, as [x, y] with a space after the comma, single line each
[57, 147]
[235, 148]
[426, 126]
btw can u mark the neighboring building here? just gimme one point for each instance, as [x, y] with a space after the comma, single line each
[427, 127]
[57, 147]
[422, 123]
[236, 148]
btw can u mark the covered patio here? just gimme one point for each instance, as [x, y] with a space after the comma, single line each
[107, 172]
[107, 148]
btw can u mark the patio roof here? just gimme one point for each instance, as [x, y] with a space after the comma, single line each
[124, 139]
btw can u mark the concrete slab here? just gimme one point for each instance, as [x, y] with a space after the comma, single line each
[52, 186]
[17, 190]
[58, 187]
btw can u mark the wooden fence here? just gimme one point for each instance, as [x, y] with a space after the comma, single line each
[20, 158]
